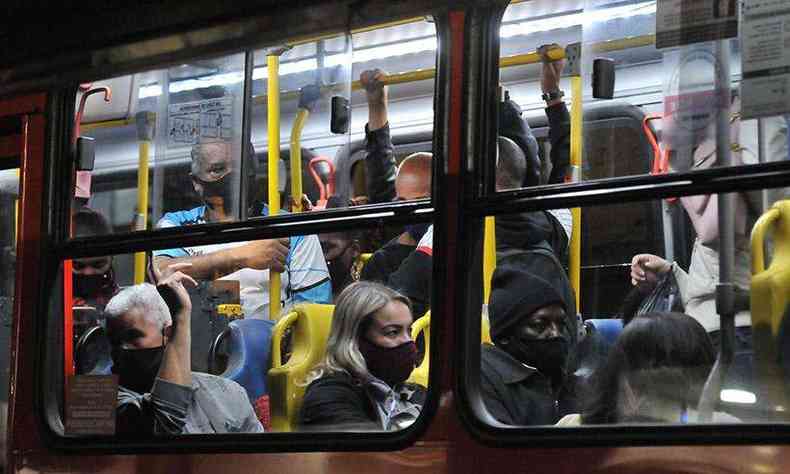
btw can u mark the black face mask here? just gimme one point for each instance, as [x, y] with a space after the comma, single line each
[339, 273]
[222, 188]
[91, 286]
[546, 355]
[137, 368]
[393, 365]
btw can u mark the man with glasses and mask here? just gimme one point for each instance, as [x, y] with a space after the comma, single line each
[305, 277]
[149, 328]
[525, 373]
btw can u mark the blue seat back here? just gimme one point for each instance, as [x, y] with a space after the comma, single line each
[249, 359]
[607, 329]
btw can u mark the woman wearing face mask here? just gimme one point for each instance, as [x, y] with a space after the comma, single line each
[370, 354]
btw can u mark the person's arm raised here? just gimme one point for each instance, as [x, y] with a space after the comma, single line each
[259, 255]
[176, 362]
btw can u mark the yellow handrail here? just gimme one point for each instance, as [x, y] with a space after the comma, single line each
[142, 206]
[423, 74]
[273, 118]
[296, 158]
[761, 227]
[574, 261]
[277, 337]
[489, 255]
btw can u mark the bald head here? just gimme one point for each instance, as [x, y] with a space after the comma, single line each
[511, 165]
[414, 177]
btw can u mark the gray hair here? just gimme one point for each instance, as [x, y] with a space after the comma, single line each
[145, 297]
[355, 307]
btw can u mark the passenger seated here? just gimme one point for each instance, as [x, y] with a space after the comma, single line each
[385, 183]
[369, 355]
[655, 372]
[341, 250]
[158, 393]
[93, 278]
[305, 277]
[524, 373]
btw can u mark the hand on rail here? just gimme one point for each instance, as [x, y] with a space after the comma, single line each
[646, 268]
[263, 254]
[376, 92]
[307, 204]
[551, 71]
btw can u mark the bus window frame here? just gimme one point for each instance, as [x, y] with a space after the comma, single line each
[63, 247]
[477, 204]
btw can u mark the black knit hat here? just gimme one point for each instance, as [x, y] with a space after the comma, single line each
[517, 292]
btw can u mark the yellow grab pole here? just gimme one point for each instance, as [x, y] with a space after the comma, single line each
[296, 158]
[145, 133]
[576, 162]
[489, 256]
[273, 119]
[142, 206]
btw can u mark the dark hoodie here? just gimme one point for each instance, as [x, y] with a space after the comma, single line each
[516, 233]
[515, 393]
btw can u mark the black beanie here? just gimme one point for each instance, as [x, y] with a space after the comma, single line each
[517, 293]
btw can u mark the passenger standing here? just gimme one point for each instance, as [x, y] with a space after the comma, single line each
[305, 277]
[411, 180]
[369, 356]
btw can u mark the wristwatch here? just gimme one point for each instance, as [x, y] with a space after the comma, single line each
[553, 95]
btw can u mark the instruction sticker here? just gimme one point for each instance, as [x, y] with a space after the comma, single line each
[765, 58]
[90, 404]
[192, 122]
[682, 22]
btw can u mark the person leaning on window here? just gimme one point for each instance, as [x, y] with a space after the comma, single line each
[360, 384]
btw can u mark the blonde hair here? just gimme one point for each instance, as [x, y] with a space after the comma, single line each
[355, 307]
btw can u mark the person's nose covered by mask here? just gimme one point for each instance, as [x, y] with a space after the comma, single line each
[393, 365]
[137, 368]
[221, 192]
[529, 321]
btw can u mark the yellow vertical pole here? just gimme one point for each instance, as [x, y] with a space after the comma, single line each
[145, 132]
[576, 162]
[273, 113]
[489, 256]
[296, 158]
[144, 148]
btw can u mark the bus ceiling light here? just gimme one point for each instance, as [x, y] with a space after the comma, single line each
[738, 396]
[576, 19]
[404, 48]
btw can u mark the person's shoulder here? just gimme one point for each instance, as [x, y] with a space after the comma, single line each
[496, 363]
[185, 217]
[216, 384]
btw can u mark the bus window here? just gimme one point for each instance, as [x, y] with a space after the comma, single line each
[663, 112]
[341, 348]
[629, 332]
[9, 183]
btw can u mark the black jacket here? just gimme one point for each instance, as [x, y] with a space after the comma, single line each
[560, 139]
[517, 394]
[526, 230]
[380, 168]
[385, 261]
[336, 400]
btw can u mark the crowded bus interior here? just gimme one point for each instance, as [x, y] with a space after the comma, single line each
[245, 244]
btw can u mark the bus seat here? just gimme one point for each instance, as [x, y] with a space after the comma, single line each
[608, 329]
[423, 326]
[249, 358]
[310, 325]
[769, 296]
[92, 354]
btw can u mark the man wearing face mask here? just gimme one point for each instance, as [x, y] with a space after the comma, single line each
[305, 277]
[94, 278]
[524, 374]
[158, 393]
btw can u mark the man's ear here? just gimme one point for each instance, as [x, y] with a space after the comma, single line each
[195, 184]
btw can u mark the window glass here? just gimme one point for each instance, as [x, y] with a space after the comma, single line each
[661, 114]
[628, 331]
[9, 183]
